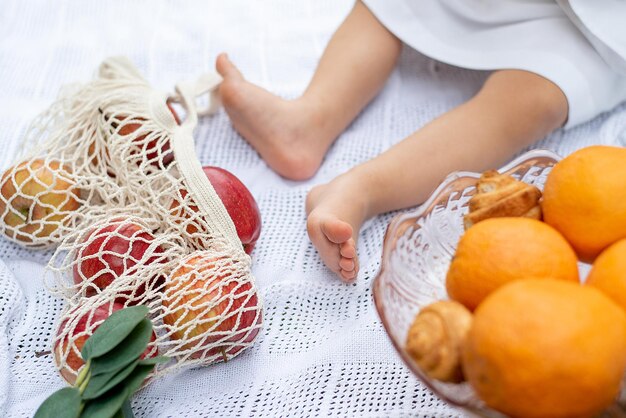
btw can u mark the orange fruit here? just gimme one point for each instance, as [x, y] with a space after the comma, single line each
[498, 250]
[546, 348]
[585, 199]
[609, 273]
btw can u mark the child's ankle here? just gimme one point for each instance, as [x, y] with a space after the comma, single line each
[362, 191]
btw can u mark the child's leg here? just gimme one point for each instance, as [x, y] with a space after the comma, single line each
[512, 110]
[293, 136]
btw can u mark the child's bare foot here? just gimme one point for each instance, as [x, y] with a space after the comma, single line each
[336, 211]
[289, 135]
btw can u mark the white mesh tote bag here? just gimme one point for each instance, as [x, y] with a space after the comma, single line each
[109, 176]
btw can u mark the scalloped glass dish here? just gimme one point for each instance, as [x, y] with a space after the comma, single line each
[417, 251]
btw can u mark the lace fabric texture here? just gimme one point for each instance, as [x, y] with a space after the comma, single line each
[322, 350]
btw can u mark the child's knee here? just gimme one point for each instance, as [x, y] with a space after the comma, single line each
[532, 95]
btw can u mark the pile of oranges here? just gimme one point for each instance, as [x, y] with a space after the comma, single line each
[541, 343]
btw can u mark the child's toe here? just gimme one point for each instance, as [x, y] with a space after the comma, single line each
[348, 249]
[226, 68]
[348, 276]
[336, 231]
[346, 264]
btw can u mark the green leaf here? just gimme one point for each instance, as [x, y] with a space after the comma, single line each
[64, 403]
[106, 406]
[119, 414]
[154, 360]
[126, 352]
[127, 411]
[113, 331]
[135, 380]
[100, 383]
[103, 382]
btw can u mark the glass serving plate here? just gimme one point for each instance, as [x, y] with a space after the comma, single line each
[417, 251]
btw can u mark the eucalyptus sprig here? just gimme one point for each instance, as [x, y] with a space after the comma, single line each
[113, 370]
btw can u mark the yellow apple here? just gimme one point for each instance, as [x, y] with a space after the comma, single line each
[36, 197]
[211, 310]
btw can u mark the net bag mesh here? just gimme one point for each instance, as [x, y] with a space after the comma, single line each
[109, 176]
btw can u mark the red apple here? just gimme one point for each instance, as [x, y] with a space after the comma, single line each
[157, 151]
[36, 197]
[208, 305]
[74, 339]
[112, 249]
[238, 201]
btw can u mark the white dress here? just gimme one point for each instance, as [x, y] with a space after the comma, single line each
[580, 45]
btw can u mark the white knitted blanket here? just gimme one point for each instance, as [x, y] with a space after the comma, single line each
[323, 350]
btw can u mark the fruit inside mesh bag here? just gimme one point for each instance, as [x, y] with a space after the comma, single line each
[118, 250]
[37, 199]
[211, 309]
[76, 328]
[135, 219]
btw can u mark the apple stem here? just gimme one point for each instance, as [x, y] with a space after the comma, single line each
[24, 212]
[224, 356]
